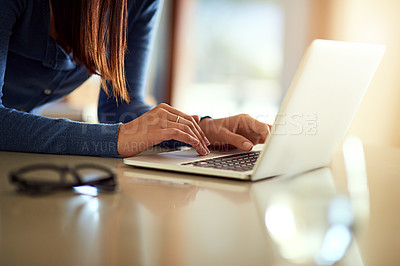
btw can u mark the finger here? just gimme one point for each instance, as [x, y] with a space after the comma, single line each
[171, 117]
[253, 129]
[179, 135]
[185, 122]
[187, 117]
[260, 136]
[196, 118]
[188, 127]
[237, 140]
[261, 132]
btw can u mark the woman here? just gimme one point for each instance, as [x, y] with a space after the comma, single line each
[49, 47]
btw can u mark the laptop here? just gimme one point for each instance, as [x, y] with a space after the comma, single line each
[313, 118]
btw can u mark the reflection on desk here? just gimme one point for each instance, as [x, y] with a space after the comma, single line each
[160, 218]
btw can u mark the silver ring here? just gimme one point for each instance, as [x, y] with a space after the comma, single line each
[177, 119]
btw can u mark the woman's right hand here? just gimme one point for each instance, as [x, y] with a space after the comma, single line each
[158, 125]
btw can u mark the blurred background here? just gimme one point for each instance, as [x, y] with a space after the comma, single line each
[227, 57]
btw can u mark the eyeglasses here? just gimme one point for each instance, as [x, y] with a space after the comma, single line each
[47, 178]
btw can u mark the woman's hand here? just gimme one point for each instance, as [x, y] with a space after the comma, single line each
[241, 131]
[160, 124]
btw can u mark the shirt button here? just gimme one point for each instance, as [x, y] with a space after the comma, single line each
[47, 91]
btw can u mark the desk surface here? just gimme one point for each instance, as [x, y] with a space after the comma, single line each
[158, 218]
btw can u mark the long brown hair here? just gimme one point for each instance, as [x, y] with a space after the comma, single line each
[95, 32]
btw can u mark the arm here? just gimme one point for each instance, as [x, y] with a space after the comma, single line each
[142, 23]
[143, 18]
[31, 133]
[157, 126]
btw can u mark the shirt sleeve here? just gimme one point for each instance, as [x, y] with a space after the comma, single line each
[25, 132]
[143, 18]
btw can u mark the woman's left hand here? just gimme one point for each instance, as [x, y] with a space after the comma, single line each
[240, 131]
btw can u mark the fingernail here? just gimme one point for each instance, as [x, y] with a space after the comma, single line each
[203, 152]
[207, 141]
[247, 146]
[206, 150]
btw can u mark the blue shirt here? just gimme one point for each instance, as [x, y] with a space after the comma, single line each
[35, 70]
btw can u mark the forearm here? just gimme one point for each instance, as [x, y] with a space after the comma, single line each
[25, 132]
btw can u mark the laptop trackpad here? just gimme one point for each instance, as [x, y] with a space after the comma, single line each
[191, 153]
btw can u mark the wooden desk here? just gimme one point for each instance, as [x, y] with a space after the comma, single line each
[158, 218]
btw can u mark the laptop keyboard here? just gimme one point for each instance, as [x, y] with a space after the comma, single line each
[238, 162]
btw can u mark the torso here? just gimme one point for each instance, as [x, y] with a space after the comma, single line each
[48, 72]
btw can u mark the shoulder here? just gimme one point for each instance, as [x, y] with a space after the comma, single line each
[10, 12]
[14, 6]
